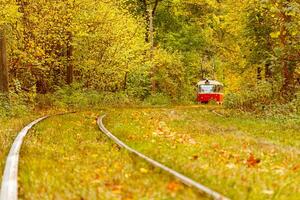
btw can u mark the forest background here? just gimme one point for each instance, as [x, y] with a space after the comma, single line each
[116, 52]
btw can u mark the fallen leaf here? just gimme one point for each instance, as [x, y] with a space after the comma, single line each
[115, 188]
[252, 161]
[192, 141]
[143, 170]
[296, 167]
[195, 157]
[215, 146]
[230, 166]
[173, 186]
[279, 170]
[269, 192]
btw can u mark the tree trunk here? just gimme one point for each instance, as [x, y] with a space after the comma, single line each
[201, 69]
[151, 38]
[268, 72]
[259, 78]
[147, 15]
[151, 34]
[125, 81]
[150, 10]
[288, 79]
[147, 19]
[41, 86]
[4, 87]
[287, 70]
[70, 66]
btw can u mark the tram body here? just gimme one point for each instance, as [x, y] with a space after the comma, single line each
[210, 90]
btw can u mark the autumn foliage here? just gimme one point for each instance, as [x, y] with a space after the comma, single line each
[150, 48]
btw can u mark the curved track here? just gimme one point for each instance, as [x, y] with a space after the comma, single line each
[178, 175]
[9, 187]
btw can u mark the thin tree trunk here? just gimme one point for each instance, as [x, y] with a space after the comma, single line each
[268, 72]
[150, 10]
[259, 70]
[4, 87]
[287, 70]
[125, 81]
[151, 38]
[147, 19]
[151, 34]
[201, 69]
[70, 66]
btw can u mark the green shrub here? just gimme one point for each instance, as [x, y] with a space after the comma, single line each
[138, 83]
[158, 99]
[250, 97]
[14, 105]
[169, 74]
[261, 100]
[76, 97]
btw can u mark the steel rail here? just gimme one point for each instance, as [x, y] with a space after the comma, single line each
[9, 186]
[184, 179]
[215, 112]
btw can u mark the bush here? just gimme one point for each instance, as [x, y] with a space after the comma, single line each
[14, 105]
[138, 83]
[262, 100]
[250, 97]
[289, 109]
[76, 97]
[169, 74]
[158, 99]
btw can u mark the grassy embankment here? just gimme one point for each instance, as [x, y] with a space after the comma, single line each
[67, 157]
[239, 156]
[9, 127]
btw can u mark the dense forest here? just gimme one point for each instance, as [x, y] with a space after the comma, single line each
[143, 49]
[150, 99]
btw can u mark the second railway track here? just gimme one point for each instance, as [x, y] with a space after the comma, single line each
[184, 179]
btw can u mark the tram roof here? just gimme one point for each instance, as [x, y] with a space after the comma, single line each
[211, 82]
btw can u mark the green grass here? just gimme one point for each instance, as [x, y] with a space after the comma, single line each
[283, 132]
[216, 151]
[9, 127]
[67, 157]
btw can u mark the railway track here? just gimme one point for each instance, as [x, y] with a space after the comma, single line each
[262, 141]
[184, 179]
[9, 186]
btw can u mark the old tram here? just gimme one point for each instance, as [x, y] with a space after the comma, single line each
[210, 90]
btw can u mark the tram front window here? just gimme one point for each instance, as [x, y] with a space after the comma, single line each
[207, 88]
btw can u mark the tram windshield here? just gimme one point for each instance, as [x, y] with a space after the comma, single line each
[210, 88]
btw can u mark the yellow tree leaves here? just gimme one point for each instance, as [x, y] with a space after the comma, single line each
[8, 12]
[108, 43]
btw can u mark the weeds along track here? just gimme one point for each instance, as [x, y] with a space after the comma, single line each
[29, 188]
[67, 157]
[187, 181]
[262, 141]
[9, 186]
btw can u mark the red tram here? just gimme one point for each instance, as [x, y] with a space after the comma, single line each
[210, 90]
